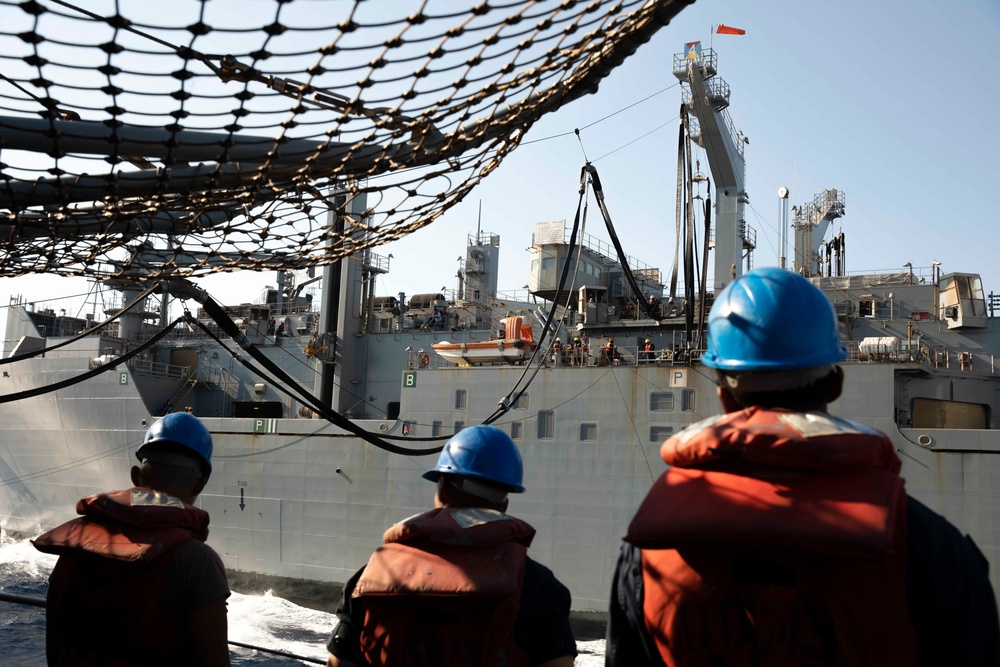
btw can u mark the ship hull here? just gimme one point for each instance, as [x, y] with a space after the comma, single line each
[302, 499]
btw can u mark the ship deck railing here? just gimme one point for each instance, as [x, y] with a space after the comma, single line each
[931, 356]
[160, 369]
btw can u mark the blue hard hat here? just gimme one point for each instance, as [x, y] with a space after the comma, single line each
[772, 320]
[483, 452]
[183, 429]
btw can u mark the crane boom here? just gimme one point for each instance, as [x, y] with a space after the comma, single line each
[707, 98]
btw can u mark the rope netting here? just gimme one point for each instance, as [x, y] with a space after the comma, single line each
[179, 138]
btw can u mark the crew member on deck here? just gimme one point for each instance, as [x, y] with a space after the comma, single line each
[611, 352]
[454, 586]
[135, 583]
[577, 351]
[782, 535]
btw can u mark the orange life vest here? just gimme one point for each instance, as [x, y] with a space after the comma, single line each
[113, 564]
[777, 538]
[444, 590]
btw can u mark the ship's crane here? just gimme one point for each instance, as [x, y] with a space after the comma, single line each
[811, 223]
[706, 97]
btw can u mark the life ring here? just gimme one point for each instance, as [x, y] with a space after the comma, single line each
[424, 360]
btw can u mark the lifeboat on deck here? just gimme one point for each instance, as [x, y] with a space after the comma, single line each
[516, 345]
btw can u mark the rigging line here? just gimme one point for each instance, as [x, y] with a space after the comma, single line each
[125, 26]
[601, 120]
[41, 602]
[703, 303]
[622, 257]
[69, 466]
[47, 103]
[567, 401]
[308, 368]
[296, 441]
[57, 298]
[579, 140]
[615, 113]
[306, 397]
[689, 258]
[229, 327]
[631, 420]
[506, 402]
[85, 332]
[37, 391]
[553, 136]
[678, 209]
[768, 222]
[639, 138]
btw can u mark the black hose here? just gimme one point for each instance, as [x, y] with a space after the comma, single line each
[117, 361]
[84, 333]
[40, 602]
[622, 257]
[222, 319]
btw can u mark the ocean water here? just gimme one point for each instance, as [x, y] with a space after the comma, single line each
[260, 620]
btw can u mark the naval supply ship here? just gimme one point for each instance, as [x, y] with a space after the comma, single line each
[327, 402]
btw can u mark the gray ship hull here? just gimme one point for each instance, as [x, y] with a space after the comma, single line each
[301, 499]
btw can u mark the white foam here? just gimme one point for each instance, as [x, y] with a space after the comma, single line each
[19, 557]
[260, 620]
[273, 622]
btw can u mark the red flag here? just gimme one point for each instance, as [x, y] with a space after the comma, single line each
[729, 30]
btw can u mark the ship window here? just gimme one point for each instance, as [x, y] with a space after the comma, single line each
[963, 287]
[461, 396]
[687, 400]
[866, 307]
[660, 433]
[521, 403]
[436, 429]
[588, 432]
[515, 430]
[534, 265]
[459, 425]
[546, 424]
[661, 401]
[548, 263]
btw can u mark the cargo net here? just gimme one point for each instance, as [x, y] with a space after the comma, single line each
[152, 139]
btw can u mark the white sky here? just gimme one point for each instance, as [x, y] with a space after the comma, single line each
[892, 102]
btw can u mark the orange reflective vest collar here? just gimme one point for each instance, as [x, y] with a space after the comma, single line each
[462, 571]
[131, 525]
[776, 538]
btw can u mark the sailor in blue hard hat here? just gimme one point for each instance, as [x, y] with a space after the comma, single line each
[423, 591]
[178, 438]
[135, 581]
[482, 461]
[773, 330]
[778, 505]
